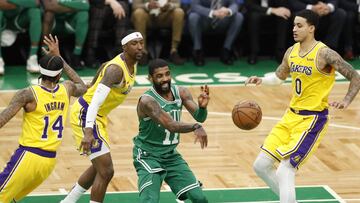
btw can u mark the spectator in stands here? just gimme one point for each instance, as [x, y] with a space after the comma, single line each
[271, 12]
[159, 14]
[110, 15]
[68, 17]
[332, 18]
[214, 16]
[352, 8]
[20, 16]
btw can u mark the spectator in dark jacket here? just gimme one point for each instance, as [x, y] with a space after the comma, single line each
[214, 16]
[274, 12]
[352, 8]
[109, 15]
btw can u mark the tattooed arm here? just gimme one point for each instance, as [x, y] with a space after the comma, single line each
[281, 73]
[97, 74]
[283, 70]
[20, 100]
[198, 111]
[76, 87]
[148, 107]
[327, 57]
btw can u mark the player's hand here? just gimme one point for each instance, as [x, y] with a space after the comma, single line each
[204, 98]
[53, 45]
[339, 105]
[201, 136]
[117, 9]
[253, 80]
[88, 141]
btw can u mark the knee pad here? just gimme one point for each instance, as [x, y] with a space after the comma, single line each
[263, 163]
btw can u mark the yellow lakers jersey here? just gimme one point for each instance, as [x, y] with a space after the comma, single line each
[118, 93]
[311, 86]
[43, 128]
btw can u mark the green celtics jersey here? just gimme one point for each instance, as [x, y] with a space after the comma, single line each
[153, 137]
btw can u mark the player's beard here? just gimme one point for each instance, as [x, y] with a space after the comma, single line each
[161, 89]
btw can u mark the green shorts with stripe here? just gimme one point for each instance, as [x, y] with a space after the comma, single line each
[172, 168]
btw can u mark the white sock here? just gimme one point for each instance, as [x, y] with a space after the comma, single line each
[265, 169]
[286, 177]
[94, 201]
[75, 194]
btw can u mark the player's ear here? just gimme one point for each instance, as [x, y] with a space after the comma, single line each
[150, 78]
[312, 28]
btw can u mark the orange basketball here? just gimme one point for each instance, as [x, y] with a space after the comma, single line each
[246, 114]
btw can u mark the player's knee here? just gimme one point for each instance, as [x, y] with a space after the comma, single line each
[259, 167]
[197, 196]
[147, 196]
[107, 173]
[149, 199]
[263, 164]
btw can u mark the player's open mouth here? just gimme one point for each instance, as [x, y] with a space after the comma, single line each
[165, 85]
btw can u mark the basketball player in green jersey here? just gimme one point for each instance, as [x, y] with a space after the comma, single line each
[155, 156]
[311, 65]
[45, 110]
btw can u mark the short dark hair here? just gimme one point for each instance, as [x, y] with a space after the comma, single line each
[156, 63]
[50, 62]
[311, 17]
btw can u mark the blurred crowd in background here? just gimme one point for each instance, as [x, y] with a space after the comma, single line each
[179, 30]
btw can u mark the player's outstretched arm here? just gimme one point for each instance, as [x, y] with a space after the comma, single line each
[148, 107]
[20, 99]
[198, 111]
[330, 57]
[76, 87]
[281, 73]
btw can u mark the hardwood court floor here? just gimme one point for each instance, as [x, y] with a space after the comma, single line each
[227, 162]
[313, 194]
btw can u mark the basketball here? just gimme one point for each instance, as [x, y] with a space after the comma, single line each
[246, 114]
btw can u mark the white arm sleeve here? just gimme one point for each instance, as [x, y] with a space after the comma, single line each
[271, 79]
[97, 100]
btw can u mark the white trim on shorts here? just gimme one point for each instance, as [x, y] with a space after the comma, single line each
[104, 150]
[187, 188]
[145, 165]
[145, 185]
